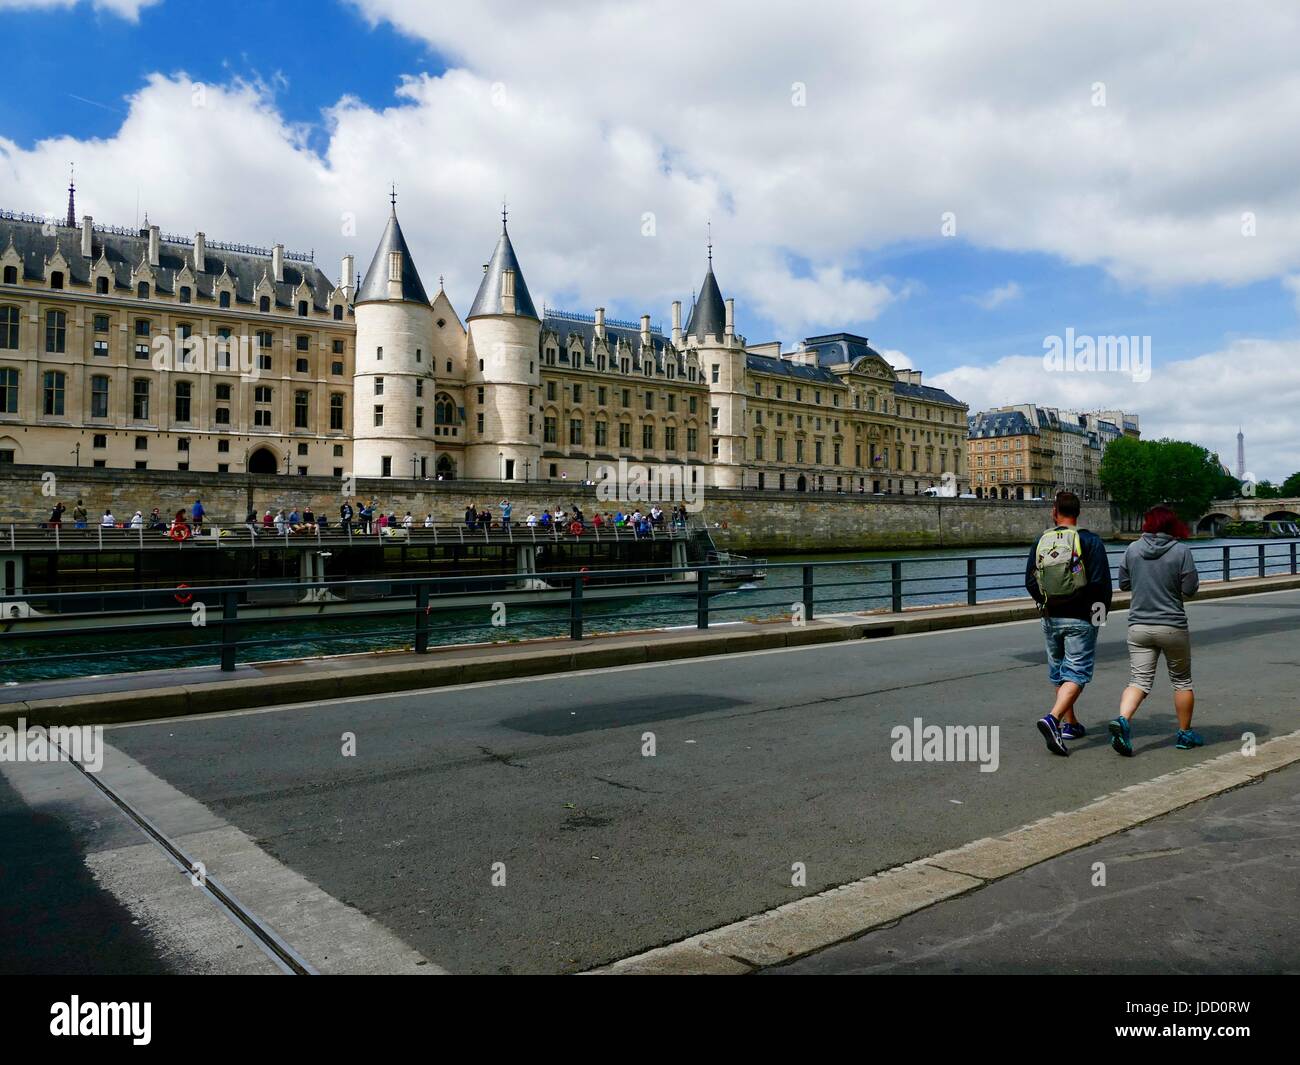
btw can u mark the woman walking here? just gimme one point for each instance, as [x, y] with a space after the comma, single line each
[1159, 570]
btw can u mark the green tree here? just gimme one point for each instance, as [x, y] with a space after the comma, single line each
[1266, 490]
[1138, 474]
[1125, 474]
[1290, 488]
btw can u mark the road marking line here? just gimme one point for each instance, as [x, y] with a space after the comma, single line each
[816, 922]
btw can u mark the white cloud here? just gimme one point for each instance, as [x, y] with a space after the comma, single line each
[996, 297]
[127, 9]
[1204, 398]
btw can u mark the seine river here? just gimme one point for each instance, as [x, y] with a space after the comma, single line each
[855, 582]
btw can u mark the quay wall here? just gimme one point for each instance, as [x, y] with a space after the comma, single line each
[745, 520]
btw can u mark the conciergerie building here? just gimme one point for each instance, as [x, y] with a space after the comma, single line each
[131, 349]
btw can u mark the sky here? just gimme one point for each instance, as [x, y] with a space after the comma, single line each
[959, 183]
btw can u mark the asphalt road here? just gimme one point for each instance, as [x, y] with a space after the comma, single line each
[762, 761]
[1210, 888]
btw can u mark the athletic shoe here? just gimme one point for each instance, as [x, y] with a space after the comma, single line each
[1120, 737]
[1188, 738]
[1051, 730]
[1073, 731]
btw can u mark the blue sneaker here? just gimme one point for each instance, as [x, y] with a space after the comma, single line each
[1188, 738]
[1051, 730]
[1120, 737]
[1073, 731]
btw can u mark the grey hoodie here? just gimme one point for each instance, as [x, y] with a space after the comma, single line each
[1160, 573]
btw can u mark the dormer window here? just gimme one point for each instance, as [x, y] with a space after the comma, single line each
[394, 266]
[302, 308]
[264, 304]
[338, 312]
[185, 294]
[142, 290]
[11, 275]
[101, 285]
[223, 300]
[56, 279]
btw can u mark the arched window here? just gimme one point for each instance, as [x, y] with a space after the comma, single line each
[223, 300]
[101, 285]
[264, 304]
[8, 327]
[142, 290]
[444, 410]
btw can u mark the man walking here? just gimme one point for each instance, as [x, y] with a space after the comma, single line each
[1068, 574]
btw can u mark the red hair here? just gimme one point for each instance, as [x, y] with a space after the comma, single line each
[1161, 519]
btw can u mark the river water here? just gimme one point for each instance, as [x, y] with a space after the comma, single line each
[842, 584]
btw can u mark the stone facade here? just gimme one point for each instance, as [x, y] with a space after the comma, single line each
[133, 349]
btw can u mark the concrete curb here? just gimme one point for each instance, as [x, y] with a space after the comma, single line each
[447, 667]
[816, 922]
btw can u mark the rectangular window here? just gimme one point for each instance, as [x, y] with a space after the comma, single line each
[54, 386]
[649, 401]
[648, 436]
[99, 397]
[602, 434]
[140, 400]
[99, 348]
[56, 331]
[336, 411]
[183, 390]
[478, 421]
[575, 432]
[379, 386]
[8, 391]
[99, 441]
[577, 393]
[692, 440]
[379, 414]
[101, 323]
[713, 417]
[301, 366]
[222, 416]
[549, 430]
[624, 435]
[142, 351]
[713, 373]
[301, 406]
[142, 327]
[670, 438]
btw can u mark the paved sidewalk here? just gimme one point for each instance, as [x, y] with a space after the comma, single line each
[1209, 889]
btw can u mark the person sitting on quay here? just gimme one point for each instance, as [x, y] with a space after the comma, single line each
[108, 521]
[268, 521]
[280, 522]
[408, 521]
[156, 523]
[657, 515]
[545, 520]
[382, 523]
[79, 515]
[137, 521]
[531, 520]
[308, 516]
[428, 521]
[597, 521]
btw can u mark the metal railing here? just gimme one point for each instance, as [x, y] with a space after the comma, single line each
[417, 611]
[66, 537]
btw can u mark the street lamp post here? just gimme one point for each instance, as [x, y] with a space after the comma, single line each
[77, 452]
[501, 465]
[413, 461]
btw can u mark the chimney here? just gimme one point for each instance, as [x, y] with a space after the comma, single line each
[507, 292]
[677, 323]
[87, 237]
[155, 243]
[645, 329]
[731, 317]
[347, 275]
[277, 262]
[200, 253]
[600, 322]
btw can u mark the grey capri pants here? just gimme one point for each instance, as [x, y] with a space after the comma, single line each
[1145, 644]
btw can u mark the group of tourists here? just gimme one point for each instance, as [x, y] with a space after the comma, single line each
[573, 520]
[187, 523]
[1068, 575]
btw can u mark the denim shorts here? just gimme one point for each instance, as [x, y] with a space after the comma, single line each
[1071, 649]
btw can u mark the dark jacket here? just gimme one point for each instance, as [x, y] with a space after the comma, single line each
[1097, 590]
[1161, 573]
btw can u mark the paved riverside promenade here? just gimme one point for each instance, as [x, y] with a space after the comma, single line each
[563, 821]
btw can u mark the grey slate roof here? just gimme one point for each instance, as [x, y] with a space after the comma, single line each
[564, 326]
[926, 392]
[488, 300]
[832, 349]
[709, 315]
[793, 370]
[125, 252]
[1000, 423]
[375, 284]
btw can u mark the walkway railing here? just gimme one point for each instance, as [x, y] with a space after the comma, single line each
[311, 617]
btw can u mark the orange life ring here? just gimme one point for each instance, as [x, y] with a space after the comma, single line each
[575, 528]
[179, 531]
[584, 571]
[183, 599]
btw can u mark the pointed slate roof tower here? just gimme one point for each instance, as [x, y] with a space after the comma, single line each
[492, 288]
[709, 315]
[376, 283]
